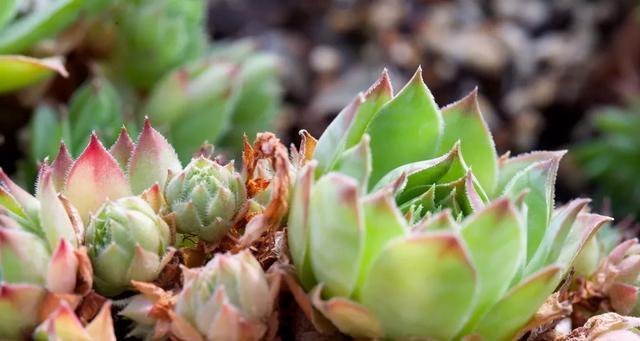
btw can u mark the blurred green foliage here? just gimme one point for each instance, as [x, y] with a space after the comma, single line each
[145, 58]
[611, 160]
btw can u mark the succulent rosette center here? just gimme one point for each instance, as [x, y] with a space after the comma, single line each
[126, 241]
[206, 198]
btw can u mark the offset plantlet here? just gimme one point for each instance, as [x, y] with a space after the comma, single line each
[127, 241]
[403, 190]
[230, 298]
[207, 198]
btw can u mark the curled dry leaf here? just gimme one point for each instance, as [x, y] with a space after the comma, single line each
[267, 147]
[605, 327]
[90, 307]
[552, 311]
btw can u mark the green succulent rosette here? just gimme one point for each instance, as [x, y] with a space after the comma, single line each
[408, 225]
[206, 198]
[127, 241]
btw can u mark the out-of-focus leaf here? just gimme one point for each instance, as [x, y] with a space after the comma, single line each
[46, 133]
[8, 9]
[17, 72]
[95, 106]
[23, 33]
[258, 98]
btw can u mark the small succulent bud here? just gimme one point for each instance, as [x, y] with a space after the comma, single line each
[228, 299]
[206, 198]
[126, 242]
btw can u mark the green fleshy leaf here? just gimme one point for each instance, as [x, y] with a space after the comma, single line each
[425, 200]
[406, 129]
[505, 319]
[337, 236]
[463, 122]
[151, 160]
[421, 175]
[556, 235]
[411, 278]
[442, 221]
[17, 72]
[508, 168]
[584, 228]
[349, 317]
[23, 33]
[8, 202]
[493, 236]
[346, 130]
[539, 180]
[298, 226]
[356, 163]
[383, 223]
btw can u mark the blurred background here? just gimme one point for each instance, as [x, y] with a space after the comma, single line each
[551, 74]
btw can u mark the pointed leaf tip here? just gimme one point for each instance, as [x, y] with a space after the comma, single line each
[60, 166]
[28, 202]
[382, 87]
[152, 157]
[94, 178]
[61, 274]
[122, 149]
[463, 123]
[412, 115]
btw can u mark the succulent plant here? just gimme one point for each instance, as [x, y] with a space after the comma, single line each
[206, 198]
[216, 98]
[127, 241]
[616, 140]
[227, 299]
[88, 185]
[610, 281]
[98, 174]
[95, 106]
[38, 237]
[64, 325]
[407, 191]
[230, 298]
[154, 37]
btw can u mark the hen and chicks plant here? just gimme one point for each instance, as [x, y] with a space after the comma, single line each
[402, 222]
